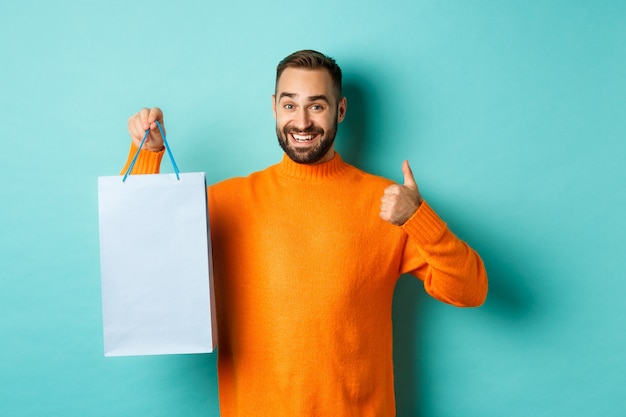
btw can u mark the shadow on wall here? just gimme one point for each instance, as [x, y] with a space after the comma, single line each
[408, 310]
[510, 301]
[353, 134]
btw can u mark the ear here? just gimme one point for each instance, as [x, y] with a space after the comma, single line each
[274, 105]
[342, 107]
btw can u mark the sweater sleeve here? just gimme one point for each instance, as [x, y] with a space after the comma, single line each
[148, 162]
[451, 270]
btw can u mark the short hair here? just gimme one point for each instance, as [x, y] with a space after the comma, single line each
[310, 59]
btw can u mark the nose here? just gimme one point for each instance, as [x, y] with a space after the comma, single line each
[302, 119]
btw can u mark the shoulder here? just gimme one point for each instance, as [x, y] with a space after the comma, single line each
[236, 185]
[368, 179]
[238, 180]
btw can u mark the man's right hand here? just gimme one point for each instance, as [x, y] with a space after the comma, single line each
[143, 120]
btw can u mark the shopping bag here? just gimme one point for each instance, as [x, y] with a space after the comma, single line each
[156, 268]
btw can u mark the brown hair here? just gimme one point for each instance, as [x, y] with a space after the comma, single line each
[309, 59]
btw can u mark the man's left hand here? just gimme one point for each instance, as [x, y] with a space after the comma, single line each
[399, 202]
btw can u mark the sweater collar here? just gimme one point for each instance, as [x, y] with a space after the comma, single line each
[308, 172]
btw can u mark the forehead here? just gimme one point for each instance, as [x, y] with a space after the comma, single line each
[305, 82]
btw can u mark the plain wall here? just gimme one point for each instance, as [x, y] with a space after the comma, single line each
[511, 113]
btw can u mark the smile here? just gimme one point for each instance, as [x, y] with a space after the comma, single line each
[302, 138]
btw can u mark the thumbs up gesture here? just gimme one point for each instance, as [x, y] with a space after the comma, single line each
[399, 202]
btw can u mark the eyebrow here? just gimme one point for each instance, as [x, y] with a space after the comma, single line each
[311, 98]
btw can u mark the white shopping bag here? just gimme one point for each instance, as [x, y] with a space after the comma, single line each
[155, 251]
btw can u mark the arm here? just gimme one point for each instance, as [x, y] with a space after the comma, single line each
[149, 160]
[451, 270]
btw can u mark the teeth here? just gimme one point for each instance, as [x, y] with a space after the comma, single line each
[302, 138]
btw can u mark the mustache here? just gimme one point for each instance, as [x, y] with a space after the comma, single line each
[311, 130]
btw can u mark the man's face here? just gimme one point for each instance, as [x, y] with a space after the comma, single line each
[307, 114]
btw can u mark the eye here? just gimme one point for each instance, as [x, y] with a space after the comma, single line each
[317, 107]
[288, 106]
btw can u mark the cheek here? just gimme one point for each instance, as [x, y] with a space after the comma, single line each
[281, 116]
[329, 121]
[281, 122]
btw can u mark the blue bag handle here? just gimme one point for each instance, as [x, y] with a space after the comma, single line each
[169, 152]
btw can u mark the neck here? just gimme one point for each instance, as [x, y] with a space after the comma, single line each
[312, 172]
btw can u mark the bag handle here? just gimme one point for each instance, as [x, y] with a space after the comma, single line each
[167, 146]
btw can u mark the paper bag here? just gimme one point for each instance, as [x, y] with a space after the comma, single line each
[157, 278]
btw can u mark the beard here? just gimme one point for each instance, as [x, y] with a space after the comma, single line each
[308, 155]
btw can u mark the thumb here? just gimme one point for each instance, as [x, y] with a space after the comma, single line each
[409, 180]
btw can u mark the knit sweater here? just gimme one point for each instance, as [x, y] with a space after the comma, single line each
[305, 270]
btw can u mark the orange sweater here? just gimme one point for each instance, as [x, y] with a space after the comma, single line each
[305, 272]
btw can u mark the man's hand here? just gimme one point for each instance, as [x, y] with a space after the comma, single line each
[399, 202]
[143, 120]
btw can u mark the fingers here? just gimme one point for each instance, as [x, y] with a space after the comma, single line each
[399, 202]
[143, 120]
[135, 127]
[392, 206]
[147, 118]
[409, 179]
[153, 115]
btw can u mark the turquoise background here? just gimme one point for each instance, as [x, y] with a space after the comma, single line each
[511, 113]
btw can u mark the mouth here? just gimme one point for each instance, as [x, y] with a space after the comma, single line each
[302, 138]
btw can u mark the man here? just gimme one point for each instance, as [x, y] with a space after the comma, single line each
[306, 256]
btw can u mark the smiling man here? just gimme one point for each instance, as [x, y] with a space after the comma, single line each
[308, 109]
[306, 256]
